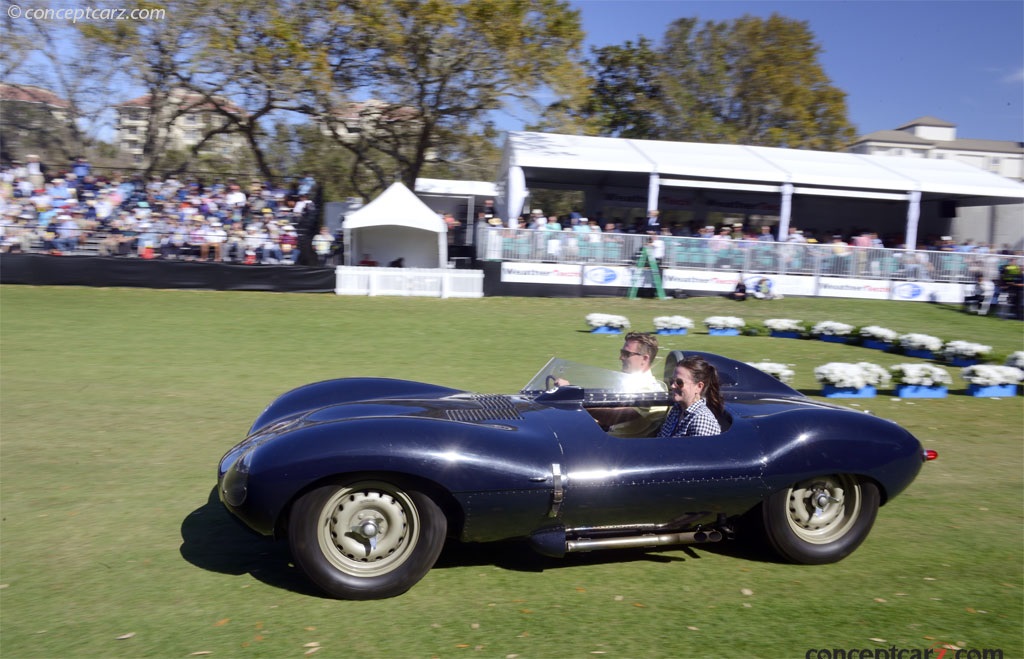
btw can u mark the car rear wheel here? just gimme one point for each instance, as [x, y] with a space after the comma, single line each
[366, 539]
[821, 519]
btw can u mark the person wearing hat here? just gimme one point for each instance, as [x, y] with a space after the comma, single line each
[289, 243]
[214, 237]
[68, 234]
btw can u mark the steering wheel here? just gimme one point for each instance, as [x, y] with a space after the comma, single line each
[550, 382]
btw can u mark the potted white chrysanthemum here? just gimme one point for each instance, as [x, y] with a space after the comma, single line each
[832, 331]
[785, 328]
[921, 380]
[986, 380]
[964, 353]
[672, 324]
[923, 346]
[844, 380]
[1016, 360]
[605, 323]
[780, 372]
[878, 338]
[724, 325]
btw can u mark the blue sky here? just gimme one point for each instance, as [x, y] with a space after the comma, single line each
[897, 60]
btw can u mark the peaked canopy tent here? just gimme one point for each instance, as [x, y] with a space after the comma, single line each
[397, 225]
[595, 163]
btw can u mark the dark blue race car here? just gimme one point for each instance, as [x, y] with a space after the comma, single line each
[366, 477]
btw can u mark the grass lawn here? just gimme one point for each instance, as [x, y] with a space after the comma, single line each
[115, 405]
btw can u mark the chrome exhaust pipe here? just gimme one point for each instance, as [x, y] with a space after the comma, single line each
[648, 540]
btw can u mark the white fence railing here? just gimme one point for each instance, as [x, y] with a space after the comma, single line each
[747, 256]
[419, 282]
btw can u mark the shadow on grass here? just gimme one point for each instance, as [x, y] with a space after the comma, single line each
[214, 540]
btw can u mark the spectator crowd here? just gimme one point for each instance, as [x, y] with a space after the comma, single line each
[76, 211]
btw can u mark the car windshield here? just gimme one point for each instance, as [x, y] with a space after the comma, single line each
[590, 378]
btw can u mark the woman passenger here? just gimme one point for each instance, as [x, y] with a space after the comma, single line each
[694, 390]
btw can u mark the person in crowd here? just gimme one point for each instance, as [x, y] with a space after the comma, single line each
[288, 240]
[739, 292]
[981, 295]
[323, 243]
[368, 261]
[697, 400]
[652, 225]
[766, 234]
[68, 234]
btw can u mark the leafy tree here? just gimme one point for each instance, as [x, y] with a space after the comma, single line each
[746, 81]
[626, 93]
[440, 66]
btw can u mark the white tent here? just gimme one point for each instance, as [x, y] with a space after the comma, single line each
[397, 225]
[592, 163]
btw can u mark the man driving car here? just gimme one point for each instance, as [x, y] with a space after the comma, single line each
[636, 356]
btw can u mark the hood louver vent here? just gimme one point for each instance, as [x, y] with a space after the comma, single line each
[491, 408]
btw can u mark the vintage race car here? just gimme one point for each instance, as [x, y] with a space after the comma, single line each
[367, 477]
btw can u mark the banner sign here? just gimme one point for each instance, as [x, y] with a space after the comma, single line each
[607, 275]
[540, 273]
[868, 289]
[927, 291]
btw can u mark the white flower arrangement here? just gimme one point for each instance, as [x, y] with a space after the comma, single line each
[923, 375]
[832, 328]
[672, 322]
[857, 376]
[1016, 359]
[780, 372]
[986, 375]
[784, 325]
[877, 333]
[607, 320]
[914, 341]
[964, 350]
[724, 322]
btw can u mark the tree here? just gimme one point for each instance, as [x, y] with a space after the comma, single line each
[440, 66]
[626, 91]
[747, 81]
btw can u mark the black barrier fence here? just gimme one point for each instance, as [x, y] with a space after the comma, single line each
[46, 270]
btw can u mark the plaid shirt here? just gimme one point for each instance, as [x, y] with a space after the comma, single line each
[697, 420]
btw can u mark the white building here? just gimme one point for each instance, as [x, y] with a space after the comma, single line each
[185, 118]
[929, 137]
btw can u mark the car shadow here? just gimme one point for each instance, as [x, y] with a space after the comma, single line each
[518, 556]
[213, 540]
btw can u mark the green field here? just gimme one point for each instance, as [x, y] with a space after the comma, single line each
[117, 404]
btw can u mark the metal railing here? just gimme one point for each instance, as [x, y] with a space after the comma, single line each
[745, 255]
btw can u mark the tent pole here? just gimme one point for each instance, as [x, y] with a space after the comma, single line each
[913, 216]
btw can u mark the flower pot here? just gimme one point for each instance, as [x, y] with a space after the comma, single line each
[680, 330]
[964, 361]
[605, 329]
[921, 391]
[785, 334]
[723, 331]
[920, 354]
[832, 338]
[830, 391]
[991, 390]
[875, 344]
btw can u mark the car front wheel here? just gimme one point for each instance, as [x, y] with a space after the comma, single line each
[366, 539]
[821, 519]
